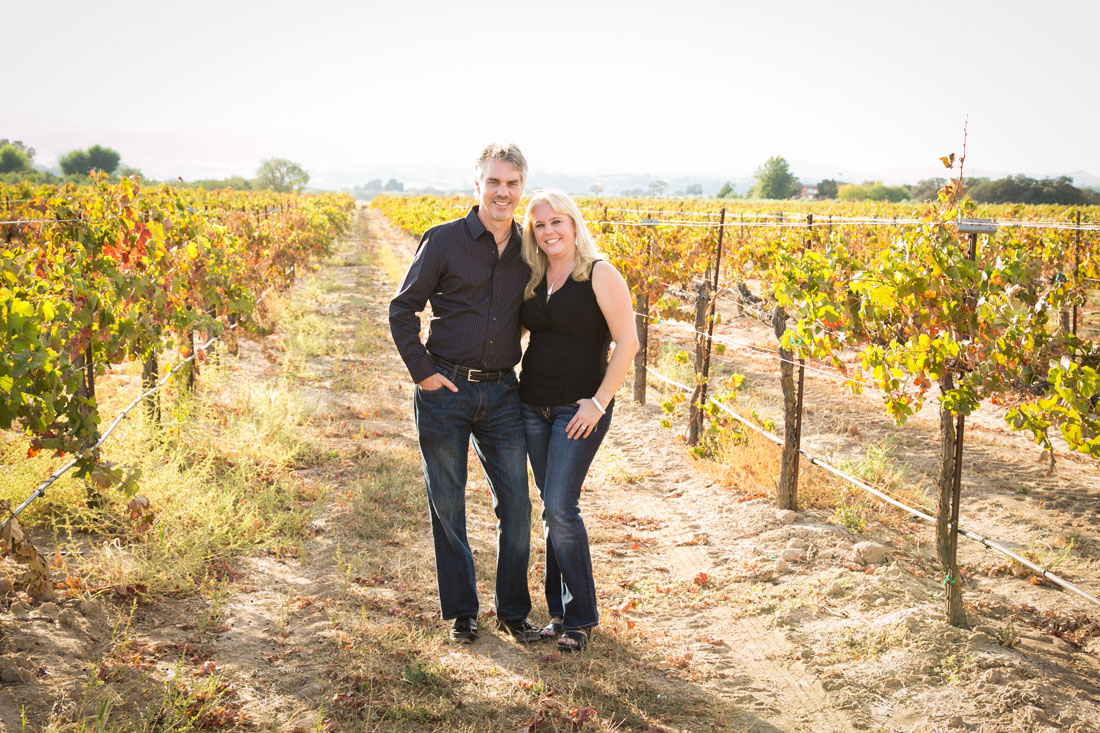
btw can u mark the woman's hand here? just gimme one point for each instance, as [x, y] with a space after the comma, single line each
[584, 422]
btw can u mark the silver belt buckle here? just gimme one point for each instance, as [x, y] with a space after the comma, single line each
[475, 375]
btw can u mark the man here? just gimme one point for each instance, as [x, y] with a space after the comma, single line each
[471, 271]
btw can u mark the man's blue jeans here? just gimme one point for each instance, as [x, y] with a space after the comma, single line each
[490, 413]
[560, 466]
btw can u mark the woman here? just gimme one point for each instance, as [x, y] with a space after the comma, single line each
[575, 305]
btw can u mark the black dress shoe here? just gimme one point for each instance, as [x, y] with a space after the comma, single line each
[465, 630]
[521, 630]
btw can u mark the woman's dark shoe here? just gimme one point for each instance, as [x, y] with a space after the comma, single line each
[574, 640]
[520, 630]
[465, 630]
[552, 630]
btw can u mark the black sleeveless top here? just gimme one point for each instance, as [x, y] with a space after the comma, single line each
[566, 358]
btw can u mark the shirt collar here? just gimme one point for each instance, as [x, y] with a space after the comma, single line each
[476, 228]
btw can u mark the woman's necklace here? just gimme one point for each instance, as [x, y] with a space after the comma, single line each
[557, 282]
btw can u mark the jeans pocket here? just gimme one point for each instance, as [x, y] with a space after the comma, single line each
[432, 395]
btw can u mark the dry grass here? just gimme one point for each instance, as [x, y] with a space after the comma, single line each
[219, 477]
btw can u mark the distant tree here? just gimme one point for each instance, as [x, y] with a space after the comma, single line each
[97, 157]
[30, 175]
[826, 189]
[279, 174]
[126, 171]
[774, 180]
[595, 189]
[726, 191]
[658, 186]
[13, 160]
[26, 150]
[694, 189]
[1025, 190]
[394, 185]
[75, 163]
[236, 182]
[103, 159]
[872, 191]
[374, 184]
[926, 190]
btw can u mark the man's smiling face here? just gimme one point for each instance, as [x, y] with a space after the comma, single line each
[499, 189]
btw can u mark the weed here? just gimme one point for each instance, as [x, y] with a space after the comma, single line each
[865, 644]
[850, 515]
[955, 668]
[674, 363]
[1046, 556]
[197, 703]
[1008, 637]
[764, 422]
[429, 675]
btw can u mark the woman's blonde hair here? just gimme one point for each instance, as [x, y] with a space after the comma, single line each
[587, 253]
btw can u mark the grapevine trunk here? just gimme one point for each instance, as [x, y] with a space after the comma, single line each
[945, 546]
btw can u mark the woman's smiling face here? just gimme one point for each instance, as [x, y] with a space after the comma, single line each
[554, 233]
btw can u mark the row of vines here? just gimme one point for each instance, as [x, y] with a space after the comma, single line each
[900, 297]
[91, 276]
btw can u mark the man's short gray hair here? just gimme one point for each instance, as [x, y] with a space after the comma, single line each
[507, 152]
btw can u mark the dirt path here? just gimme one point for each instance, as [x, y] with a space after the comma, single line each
[717, 612]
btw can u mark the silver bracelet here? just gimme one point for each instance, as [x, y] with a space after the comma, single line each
[598, 405]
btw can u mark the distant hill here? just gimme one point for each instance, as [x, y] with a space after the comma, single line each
[459, 180]
[1084, 179]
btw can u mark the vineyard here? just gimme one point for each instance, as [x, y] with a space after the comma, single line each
[93, 276]
[272, 569]
[964, 304]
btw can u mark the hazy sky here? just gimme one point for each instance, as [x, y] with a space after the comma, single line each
[693, 87]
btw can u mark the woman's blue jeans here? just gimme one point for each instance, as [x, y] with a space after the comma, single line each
[560, 466]
[489, 412]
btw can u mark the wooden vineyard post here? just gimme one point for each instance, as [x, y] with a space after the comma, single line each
[705, 344]
[740, 245]
[212, 348]
[947, 507]
[695, 413]
[193, 367]
[950, 480]
[85, 363]
[150, 375]
[956, 615]
[1076, 265]
[641, 322]
[712, 315]
[787, 491]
